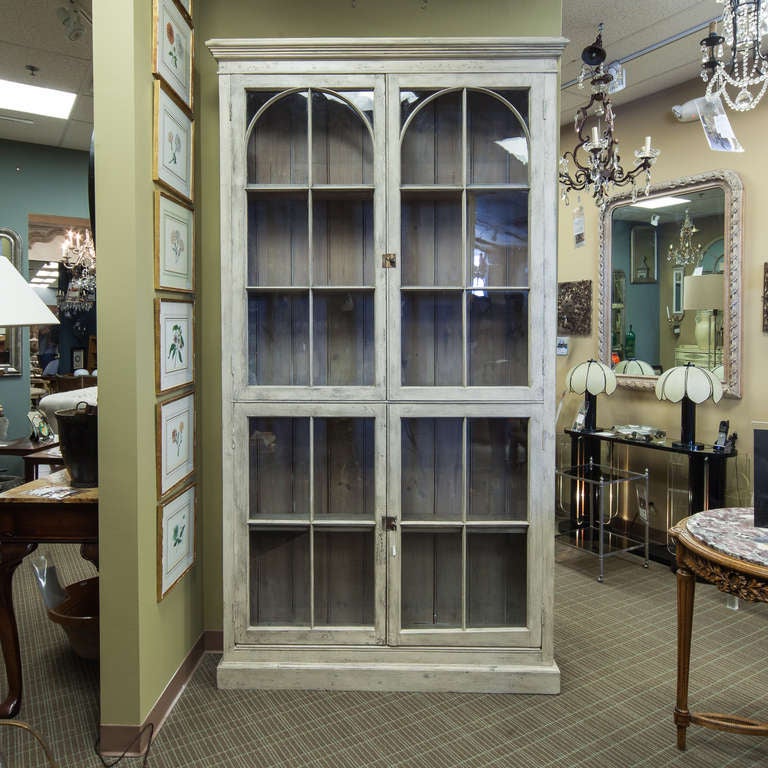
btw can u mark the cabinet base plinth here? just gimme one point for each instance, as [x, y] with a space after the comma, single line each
[541, 677]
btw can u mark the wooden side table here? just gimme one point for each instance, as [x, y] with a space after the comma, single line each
[61, 514]
[50, 456]
[721, 547]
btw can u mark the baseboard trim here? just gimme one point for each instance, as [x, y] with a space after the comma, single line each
[133, 740]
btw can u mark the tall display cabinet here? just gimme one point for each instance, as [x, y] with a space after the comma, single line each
[388, 331]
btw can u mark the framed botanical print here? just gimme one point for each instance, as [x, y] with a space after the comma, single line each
[174, 244]
[175, 442]
[173, 48]
[643, 255]
[174, 344]
[173, 140]
[186, 8]
[176, 538]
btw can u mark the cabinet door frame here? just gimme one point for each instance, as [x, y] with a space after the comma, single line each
[542, 235]
[234, 257]
[540, 500]
[237, 526]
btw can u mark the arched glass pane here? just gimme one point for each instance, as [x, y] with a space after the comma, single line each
[342, 148]
[497, 149]
[431, 147]
[277, 147]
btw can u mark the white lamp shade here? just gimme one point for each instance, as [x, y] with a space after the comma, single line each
[591, 376]
[19, 304]
[703, 292]
[698, 384]
[634, 367]
[719, 372]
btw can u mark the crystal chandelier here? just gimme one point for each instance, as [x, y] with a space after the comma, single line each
[686, 251]
[78, 258]
[596, 155]
[745, 23]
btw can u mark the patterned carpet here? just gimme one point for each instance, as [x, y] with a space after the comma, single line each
[615, 644]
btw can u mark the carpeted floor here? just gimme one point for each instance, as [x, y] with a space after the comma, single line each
[615, 644]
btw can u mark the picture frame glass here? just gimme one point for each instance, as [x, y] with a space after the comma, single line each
[643, 254]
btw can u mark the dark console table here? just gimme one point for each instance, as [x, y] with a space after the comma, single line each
[706, 469]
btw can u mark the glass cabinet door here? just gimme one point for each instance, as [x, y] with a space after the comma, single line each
[462, 570]
[464, 319]
[315, 548]
[310, 220]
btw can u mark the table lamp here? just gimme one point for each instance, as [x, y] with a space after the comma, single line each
[704, 293]
[19, 304]
[690, 384]
[634, 367]
[590, 378]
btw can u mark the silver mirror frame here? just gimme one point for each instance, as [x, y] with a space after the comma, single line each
[733, 189]
[14, 335]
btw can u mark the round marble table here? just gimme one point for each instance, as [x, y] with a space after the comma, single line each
[722, 547]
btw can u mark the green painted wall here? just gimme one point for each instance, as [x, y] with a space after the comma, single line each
[144, 642]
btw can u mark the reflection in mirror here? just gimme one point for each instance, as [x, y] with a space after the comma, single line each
[10, 338]
[670, 279]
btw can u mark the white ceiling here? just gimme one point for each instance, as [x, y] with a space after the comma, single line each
[32, 34]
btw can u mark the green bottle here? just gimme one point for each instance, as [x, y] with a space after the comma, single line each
[629, 344]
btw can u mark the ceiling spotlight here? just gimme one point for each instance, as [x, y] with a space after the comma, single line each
[71, 17]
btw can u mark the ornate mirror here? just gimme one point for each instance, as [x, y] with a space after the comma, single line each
[11, 358]
[670, 280]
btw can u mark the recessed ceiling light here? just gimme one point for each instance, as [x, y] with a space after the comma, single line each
[666, 201]
[32, 99]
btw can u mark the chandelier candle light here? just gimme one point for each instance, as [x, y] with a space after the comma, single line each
[78, 255]
[744, 24]
[596, 155]
[686, 252]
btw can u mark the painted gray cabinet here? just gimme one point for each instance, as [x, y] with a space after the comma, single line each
[388, 320]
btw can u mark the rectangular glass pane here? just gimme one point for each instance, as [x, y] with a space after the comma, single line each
[277, 146]
[431, 240]
[342, 240]
[497, 148]
[431, 147]
[431, 469]
[498, 469]
[344, 468]
[342, 145]
[344, 582]
[279, 578]
[432, 338]
[278, 244]
[343, 338]
[278, 467]
[498, 338]
[496, 579]
[499, 223]
[278, 339]
[431, 579]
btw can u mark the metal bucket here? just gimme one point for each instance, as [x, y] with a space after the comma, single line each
[78, 438]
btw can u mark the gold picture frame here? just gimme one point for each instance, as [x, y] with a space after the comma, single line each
[174, 244]
[173, 48]
[174, 344]
[175, 442]
[176, 538]
[173, 139]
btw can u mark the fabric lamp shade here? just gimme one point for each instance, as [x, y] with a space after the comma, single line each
[703, 292]
[591, 376]
[19, 304]
[697, 384]
[634, 367]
